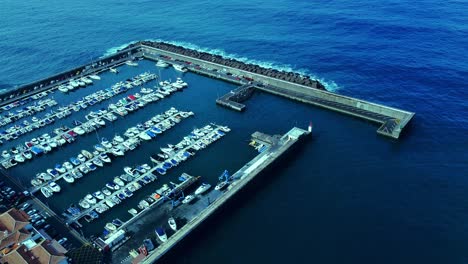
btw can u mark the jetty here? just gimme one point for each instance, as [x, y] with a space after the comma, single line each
[392, 120]
[234, 98]
[238, 180]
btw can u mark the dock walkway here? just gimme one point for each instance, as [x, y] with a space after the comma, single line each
[241, 178]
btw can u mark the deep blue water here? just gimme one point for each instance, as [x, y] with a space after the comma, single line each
[349, 195]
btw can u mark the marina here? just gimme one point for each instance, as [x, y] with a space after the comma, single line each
[118, 176]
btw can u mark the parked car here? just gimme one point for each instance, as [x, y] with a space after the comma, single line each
[63, 240]
[25, 206]
[32, 211]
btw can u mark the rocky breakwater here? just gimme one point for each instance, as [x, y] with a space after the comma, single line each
[253, 68]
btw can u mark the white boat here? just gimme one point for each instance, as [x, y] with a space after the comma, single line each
[133, 211]
[94, 77]
[109, 203]
[98, 162]
[106, 191]
[68, 178]
[118, 139]
[143, 135]
[63, 88]
[111, 227]
[46, 191]
[36, 182]
[113, 70]
[68, 166]
[74, 84]
[119, 182]
[54, 187]
[99, 195]
[99, 121]
[6, 154]
[79, 130]
[162, 64]
[90, 199]
[131, 63]
[87, 154]
[180, 68]
[19, 158]
[188, 199]
[117, 152]
[161, 234]
[81, 157]
[129, 170]
[106, 143]
[84, 204]
[221, 185]
[104, 157]
[203, 188]
[172, 223]
[86, 80]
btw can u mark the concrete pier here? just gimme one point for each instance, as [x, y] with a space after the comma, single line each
[392, 120]
[239, 179]
[233, 98]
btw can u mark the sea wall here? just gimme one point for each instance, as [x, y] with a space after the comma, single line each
[45, 84]
[292, 77]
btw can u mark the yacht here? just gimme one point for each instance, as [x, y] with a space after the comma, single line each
[104, 157]
[188, 199]
[117, 152]
[203, 188]
[180, 68]
[59, 168]
[106, 191]
[54, 187]
[87, 154]
[118, 139]
[161, 234]
[84, 204]
[131, 63]
[221, 185]
[68, 178]
[46, 191]
[94, 77]
[172, 223]
[162, 64]
[99, 195]
[111, 227]
[133, 211]
[119, 182]
[90, 199]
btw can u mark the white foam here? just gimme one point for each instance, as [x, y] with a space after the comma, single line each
[329, 85]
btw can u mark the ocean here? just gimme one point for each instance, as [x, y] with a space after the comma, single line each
[347, 195]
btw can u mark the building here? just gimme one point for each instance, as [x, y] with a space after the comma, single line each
[20, 242]
[13, 229]
[46, 252]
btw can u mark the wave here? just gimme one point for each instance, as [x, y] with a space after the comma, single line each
[329, 85]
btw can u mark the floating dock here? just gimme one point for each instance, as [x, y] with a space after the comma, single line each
[239, 179]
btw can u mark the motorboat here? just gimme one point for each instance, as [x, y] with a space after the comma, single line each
[52, 172]
[81, 158]
[27, 154]
[6, 154]
[99, 148]
[129, 170]
[19, 158]
[221, 185]
[68, 178]
[94, 77]
[110, 227]
[119, 182]
[46, 191]
[203, 188]
[117, 151]
[86, 80]
[161, 234]
[104, 157]
[79, 130]
[54, 187]
[75, 161]
[36, 182]
[143, 135]
[131, 63]
[112, 186]
[44, 176]
[172, 223]
[90, 166]
[189, 198]
[106, 143]
[68, 166]
[99, 195]
[90, 199]
[59, 168]
[161, 170]
[87, 154]
[84, 204]
[76, 174]
[179, 67]
[133, 211]
[118, 139]
[162, 64]
[98, 162]
[106, 191]
[128, 193]
[113, 70]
